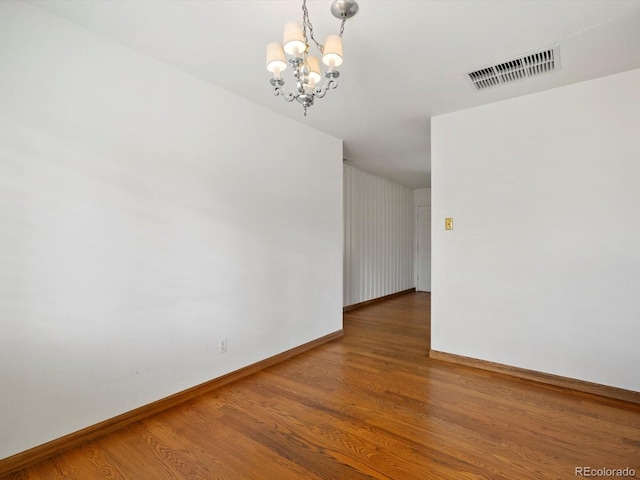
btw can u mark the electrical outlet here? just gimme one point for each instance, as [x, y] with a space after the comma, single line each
[222, 345]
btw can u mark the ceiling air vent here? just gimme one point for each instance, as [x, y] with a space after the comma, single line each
[524, 66]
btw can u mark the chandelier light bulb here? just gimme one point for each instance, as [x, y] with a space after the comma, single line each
[276, 61]
[332, 55]
[314, 69]
[293, 39]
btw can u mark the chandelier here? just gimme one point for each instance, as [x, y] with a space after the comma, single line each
[306, 67]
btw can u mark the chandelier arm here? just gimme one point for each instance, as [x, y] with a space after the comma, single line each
[288, 96]
[279, 91]
[320, 92]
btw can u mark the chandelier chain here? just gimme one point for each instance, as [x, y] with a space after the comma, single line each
[307, 23]
[344, 19]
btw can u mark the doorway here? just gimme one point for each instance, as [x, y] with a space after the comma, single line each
[423, 252]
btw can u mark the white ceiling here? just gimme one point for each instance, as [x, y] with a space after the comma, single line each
[405, 61]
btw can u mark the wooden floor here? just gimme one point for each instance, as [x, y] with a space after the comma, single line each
[370, 405]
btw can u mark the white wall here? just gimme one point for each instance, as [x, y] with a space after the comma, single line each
[145, 214]
[542, 270]
[378, 253]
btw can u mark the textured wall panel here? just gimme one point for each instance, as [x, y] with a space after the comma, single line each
[379, 237]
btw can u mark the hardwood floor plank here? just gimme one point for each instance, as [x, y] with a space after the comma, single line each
[318, 459]
[56, 468]
[371, 405]
[132, 456]
[97, 461]
[332, 429]
[235, 449]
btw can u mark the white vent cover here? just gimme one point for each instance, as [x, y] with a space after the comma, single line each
[524, 66]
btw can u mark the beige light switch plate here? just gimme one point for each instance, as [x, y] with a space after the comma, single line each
[448, 223]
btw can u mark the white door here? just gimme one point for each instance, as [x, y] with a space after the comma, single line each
[424, 248]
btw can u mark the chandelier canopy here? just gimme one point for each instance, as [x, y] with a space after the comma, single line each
[306, 67]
